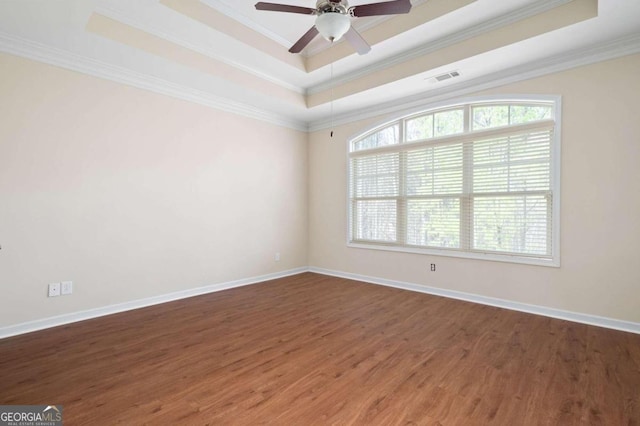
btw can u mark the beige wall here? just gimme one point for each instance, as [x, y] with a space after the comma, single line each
[131, 194]
[600, 220]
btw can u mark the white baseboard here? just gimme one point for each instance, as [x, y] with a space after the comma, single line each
[41, 324]
[611, 323]
[45, 323]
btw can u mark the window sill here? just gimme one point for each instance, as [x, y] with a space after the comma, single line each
[493, 257]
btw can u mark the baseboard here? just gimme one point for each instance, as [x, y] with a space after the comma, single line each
[41, 324]
[611, 323]
[45, 323]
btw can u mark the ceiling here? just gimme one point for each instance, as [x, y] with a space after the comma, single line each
[225, 54]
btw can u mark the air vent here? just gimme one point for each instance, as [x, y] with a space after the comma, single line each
[444, 77]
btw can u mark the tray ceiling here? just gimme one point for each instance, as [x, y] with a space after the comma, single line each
[225, 54]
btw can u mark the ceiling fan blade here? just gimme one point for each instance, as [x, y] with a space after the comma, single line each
[355, 39]
[274, 7]
[304, 40]
[385, 8]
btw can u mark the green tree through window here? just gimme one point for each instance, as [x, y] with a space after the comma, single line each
[464, 180]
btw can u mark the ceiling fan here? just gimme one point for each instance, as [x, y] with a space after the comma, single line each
[333, 19]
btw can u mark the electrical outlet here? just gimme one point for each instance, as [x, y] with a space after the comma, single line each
[277, 257]
[66, 287]
[433, 267]
[54, 289]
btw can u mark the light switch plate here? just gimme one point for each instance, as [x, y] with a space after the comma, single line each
[67, 287]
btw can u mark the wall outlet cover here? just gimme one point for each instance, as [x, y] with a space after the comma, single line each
[54, 289]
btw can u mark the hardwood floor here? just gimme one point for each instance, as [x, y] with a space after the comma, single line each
[317, 350]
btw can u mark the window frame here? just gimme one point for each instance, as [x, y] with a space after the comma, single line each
[467, 103]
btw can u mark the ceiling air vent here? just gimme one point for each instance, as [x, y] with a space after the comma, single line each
[444, 77]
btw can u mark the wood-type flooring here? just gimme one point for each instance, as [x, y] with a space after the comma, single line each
[317, 350]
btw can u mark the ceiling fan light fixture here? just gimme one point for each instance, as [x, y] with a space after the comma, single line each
[333, 25]
[333, 19]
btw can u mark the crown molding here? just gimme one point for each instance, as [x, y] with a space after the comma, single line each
[441, 43]
[230, 12]
[62, 58]
[626, 45]
[136, 22]
[623, 46]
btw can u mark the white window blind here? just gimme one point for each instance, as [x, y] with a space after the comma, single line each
[468, 180]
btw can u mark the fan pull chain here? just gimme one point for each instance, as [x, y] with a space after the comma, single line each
[331, 99]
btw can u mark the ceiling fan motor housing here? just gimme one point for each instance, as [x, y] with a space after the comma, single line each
[329, 6]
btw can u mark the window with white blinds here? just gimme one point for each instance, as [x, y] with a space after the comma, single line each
[474, 180]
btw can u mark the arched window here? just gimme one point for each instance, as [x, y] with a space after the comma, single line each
[477, 179]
